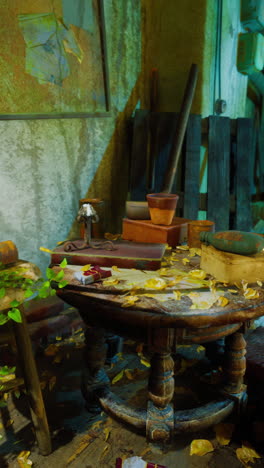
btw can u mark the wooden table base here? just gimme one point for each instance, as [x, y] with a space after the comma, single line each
[159, 421]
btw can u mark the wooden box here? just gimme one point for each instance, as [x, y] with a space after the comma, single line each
[229, 267]
[145, 231]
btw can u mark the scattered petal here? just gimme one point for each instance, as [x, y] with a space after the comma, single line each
[222, 301]
[86, 267]
[23, 460]
[177, 295]
[200, 274]
[145, 362]
[233, 291]
[43, 249]
[115, 268]
[129, 374]
[185, 260]
[259, 283]
[155, 283]
[182, 247]
[110, 281]
[106, 431]
[250, 293]
[129, 301]
[201, 447]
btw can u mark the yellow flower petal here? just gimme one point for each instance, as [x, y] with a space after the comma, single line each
[155, 283]
[246, 454]
[222, 301]
[129, 301]
[259, 283]
[115, 268]
[145, 362]
[182, 247]
[185, 260]
[233, 291]
[86, 267]
[177, 295]
[110, 281]
[43, 249]
[195, 251]
[200, 274]
[201, 447]
[250, 293]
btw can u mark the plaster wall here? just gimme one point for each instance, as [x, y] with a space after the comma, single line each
[46, 166]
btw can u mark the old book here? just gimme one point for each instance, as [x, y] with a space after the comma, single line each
[126, 254]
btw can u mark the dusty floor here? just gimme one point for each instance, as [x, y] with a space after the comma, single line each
[83, 440]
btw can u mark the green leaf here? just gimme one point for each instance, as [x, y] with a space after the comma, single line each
[50, 273]
[28, 293]
[62, 284]
[5, 370]
[14, 303]
[59, 276]
[53, 292]
[3, 319]
[64, 263]
[43, 293]
[2, 292]
[15, 315]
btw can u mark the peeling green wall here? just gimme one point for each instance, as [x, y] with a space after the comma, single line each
[46, 166]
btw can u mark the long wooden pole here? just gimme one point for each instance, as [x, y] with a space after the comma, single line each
[180, 129]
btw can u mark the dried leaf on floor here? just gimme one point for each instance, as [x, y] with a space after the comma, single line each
[224, 432]
[87, 439]
[118, 377]
[177, 295]
[129, 374]
[110, 281]
[201, 447]
[51, 350]
[52, 382]
[185, 260]
[246, 454]
[145, 451]
[86, 267]
[104, 452]
[23, 460]
[115, 268]
[106, 431]
[182, 247]
[199, 274]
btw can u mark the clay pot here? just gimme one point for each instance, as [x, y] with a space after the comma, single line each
[162, 207]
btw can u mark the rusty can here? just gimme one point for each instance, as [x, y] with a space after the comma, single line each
[8, 252]
[194, 230]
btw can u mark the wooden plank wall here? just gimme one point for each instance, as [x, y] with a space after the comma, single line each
[229, 174]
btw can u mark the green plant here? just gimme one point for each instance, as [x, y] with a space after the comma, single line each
[31, 289]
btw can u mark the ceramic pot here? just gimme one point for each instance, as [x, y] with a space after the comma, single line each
[162, 207]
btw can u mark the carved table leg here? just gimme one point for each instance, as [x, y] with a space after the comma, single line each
[94, 378]
[235, 368]
[160, 414]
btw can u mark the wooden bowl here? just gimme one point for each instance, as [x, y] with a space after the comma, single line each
[137, 210]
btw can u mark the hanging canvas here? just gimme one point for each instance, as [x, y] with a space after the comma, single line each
[53, 59]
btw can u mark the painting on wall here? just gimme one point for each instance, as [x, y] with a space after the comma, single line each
[53, 59]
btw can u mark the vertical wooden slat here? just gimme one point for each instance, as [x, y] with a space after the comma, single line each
[243, 174]
[218, 171]
[192, 167]
[139, 156]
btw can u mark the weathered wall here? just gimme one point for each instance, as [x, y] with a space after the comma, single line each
[46, 166]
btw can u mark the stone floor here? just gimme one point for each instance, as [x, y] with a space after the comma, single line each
[83, 440]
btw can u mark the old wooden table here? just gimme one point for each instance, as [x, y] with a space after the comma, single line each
[161, 321]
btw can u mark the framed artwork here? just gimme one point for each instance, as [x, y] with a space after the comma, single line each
[53, 60]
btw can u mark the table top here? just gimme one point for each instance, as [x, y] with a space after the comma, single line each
[178, 295]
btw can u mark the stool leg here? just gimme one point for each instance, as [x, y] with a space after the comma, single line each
[36, 404]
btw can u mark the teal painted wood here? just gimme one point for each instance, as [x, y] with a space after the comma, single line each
[138, 165]
[192, 167]
[243, 174]
[218, 184]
